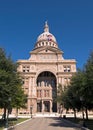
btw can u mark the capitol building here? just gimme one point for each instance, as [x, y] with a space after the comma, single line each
[42, 73]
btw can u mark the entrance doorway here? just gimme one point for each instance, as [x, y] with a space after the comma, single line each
[46, 90]
[46, 106]
[39, 107]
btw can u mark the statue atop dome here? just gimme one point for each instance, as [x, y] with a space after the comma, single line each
[46, 27]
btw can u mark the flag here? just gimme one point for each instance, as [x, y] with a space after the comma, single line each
[49, 37]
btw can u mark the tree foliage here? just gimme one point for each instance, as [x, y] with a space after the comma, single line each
[81, 86]
[10, 83]
[89, 78]
[59, 94]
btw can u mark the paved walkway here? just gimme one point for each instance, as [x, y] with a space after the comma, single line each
[46, 123]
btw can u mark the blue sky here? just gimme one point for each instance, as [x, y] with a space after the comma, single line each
[70, 21]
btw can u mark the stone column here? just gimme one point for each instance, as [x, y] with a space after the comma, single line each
[60, 80]
[50, 93]
[34, 87]
[28, 105]
[50, 106]
[32, 84]
[57, 81]
[29, 91]
[63, 83]
[42, 106]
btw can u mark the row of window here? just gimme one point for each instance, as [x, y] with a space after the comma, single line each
[46, 83]
[65, 69]
[46, 44]
[44, 93]
[67, 80]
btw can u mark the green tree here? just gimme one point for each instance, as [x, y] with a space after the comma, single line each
[10, 84]
[88, 89]
[71, 100]
[71, 95]
[79, 94]
[59, 94]
[81, 90]
[89, 77]
[78, 83]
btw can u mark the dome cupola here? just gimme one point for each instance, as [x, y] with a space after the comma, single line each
[46, 38]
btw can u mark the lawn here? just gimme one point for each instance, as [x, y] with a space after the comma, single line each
[11, 122]
[88, 123]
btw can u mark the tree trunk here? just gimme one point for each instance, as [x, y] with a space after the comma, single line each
[86, 111]
[4, 115]
[16, 113]
[83, 114]
[75, 114]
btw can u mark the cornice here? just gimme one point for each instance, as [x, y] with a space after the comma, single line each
[72, 61]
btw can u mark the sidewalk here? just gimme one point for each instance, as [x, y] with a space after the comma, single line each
[38, 115]
[79, 115]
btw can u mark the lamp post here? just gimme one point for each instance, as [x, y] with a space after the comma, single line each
[31, 107]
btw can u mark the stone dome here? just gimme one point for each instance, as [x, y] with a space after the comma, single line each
[46, 38]
[46, 35]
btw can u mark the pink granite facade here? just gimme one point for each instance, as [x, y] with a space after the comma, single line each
[45, 69]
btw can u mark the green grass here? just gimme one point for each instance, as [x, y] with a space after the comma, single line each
[11, 122]
[21, 120]
[88, 123]
[2, 124]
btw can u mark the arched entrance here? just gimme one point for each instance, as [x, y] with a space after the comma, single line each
[46, 92]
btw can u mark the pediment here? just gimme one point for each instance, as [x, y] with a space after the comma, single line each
[43, 50]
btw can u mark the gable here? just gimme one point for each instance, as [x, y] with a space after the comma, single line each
[48, 50]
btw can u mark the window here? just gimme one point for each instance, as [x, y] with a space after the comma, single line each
[23, 70]
[26, 68]
[46, 43]
[39, 93]
[67, 68]
[50, 43]
[46, 93]
[67, 80]
[43, 43]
